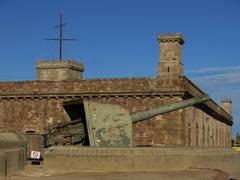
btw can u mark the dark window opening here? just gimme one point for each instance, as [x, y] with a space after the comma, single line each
[75, 111]
[197, 135]
[30, 132]
[77, 114]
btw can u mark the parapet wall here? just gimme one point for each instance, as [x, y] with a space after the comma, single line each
[93, 87]
[140, 159]
[59, 70]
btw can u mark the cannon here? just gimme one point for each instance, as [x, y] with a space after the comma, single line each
[105, 125]
[68, 133]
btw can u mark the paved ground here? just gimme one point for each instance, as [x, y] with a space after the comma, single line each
[177, 175]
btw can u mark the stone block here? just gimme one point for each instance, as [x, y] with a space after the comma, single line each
[12, 140]
[59, 70]
[139, 159]
[229, 161]
[115, 160]
[22, 158]
[2, 164]
[15, 160]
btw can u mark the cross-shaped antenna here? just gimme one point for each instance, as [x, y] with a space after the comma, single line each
[60, 39]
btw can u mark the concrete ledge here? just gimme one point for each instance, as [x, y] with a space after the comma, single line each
[12, 161]
[229, 162]
[2, 164]
[12, 140]
[12, 153]
[138, 159]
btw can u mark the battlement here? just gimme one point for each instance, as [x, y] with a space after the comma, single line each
[170, 37]
[226, 101]
[59, 70]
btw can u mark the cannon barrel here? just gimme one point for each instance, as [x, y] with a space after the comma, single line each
[106, 125]
[143, 115]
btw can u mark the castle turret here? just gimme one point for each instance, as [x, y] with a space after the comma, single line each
[59, 70]
[226, 105]
[170, 55]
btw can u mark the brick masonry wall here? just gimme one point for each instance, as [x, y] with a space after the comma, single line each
[21, 115]
[36, 105]
[40, 114]
[114, 86]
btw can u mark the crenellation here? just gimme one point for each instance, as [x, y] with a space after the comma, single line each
[171, 38]
[59, 70]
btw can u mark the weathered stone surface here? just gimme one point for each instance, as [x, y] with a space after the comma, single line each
[170, 55]
[226, 105]
[139, 159]
[2, 164]
[202, 130]
[93, 87]
[38, 106]
[59, 70]
[13, 149]
[14, 160]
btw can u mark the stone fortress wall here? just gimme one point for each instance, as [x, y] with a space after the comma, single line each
[34, 106]
[205, 131]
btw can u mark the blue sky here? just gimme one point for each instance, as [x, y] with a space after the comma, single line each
[117, 38]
